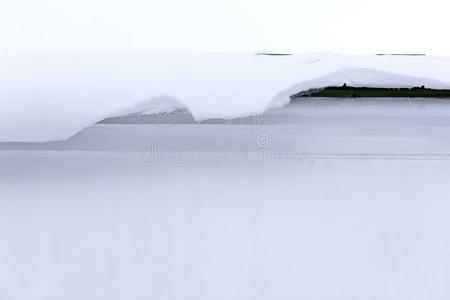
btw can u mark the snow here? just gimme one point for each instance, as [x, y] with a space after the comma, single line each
[92, 225]
[320, 126]
[49, 96]
[157, 105]
[357, 77]
[362, 215]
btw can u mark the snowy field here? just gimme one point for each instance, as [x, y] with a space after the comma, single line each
[322, 199]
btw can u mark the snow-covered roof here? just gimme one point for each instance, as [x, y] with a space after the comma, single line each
[51, 96]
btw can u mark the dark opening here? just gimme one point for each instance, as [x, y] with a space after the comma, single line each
[355, 92]
[273, 54]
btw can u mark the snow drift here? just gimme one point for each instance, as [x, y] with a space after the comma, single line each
[51, 96]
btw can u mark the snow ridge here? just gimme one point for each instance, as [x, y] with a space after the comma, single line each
[52, 96]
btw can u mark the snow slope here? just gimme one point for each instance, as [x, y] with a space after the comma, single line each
[51, 96]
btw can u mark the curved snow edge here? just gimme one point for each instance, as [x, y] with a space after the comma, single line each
[356, 77]
[48, 97]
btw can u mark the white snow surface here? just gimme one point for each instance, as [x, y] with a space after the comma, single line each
[157, 105]
[53, 95]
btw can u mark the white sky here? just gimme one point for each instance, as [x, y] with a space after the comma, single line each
[350, 26]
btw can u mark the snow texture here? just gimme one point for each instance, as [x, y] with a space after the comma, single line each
[49, 96]
[93, 225]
